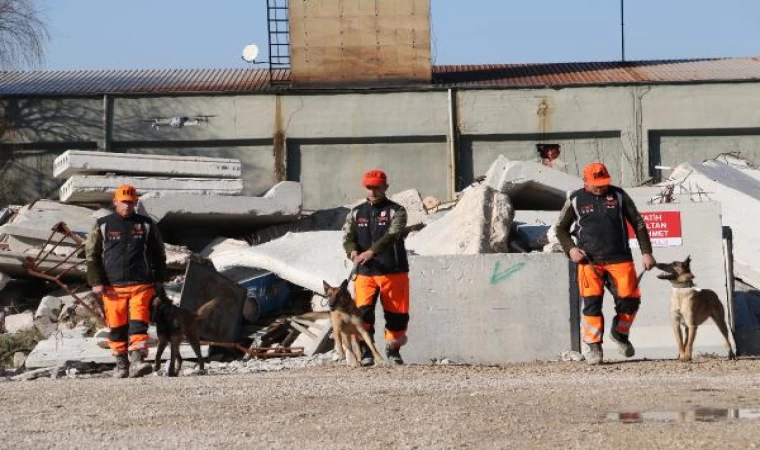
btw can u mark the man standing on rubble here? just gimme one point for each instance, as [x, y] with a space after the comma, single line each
[600, 212]
[375, 243]
[125, 262]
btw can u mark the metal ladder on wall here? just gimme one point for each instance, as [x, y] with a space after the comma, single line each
[278, 26]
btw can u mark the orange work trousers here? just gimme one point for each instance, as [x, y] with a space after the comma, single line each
[127, 311]
[393, 290]
[622, 277]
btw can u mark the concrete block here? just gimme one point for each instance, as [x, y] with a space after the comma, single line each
[54, 352]
[280, 204]
[12, 263]
[479, 223]
[531, 185]
[19, 322]
[412, 202]
[533, 226]
[49, 307]
[487, 309]
[320, 329]
[78, 162]
[99, 189]
[738, 191]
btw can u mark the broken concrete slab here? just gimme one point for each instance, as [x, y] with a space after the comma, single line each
[531, 185]
[411, 200]
[12, 264]
[100, 188]
[54, 352]
[331, 219]
[177, 257]
[222, 244]
[316, 339]
[280, 204]
[19, 322]
[533, 226]
[479, 223]
[304, 259]
[79, 162]
[32, 225]
[738, 191]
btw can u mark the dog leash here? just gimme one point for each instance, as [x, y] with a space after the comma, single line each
[352, 274]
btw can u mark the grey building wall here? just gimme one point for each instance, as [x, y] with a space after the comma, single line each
[421, 138]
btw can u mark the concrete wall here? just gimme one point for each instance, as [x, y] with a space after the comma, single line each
[631, 128]
[487, 309]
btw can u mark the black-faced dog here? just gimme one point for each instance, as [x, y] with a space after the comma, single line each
[690, 307]
[347, 323]
[173, 324]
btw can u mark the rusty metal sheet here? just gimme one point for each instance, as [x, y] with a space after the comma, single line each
[216, 298]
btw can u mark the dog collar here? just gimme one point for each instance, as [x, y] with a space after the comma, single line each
[687, 284]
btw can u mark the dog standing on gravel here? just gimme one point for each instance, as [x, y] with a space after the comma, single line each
[173, 324]
[347, 323]
[691, 306]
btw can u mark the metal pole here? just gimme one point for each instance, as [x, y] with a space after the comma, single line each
[622, 30]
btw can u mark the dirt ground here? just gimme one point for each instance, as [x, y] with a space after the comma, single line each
[540, 405]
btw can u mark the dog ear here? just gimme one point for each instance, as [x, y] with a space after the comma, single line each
[687, 261]
[344, 285]
[326, 286]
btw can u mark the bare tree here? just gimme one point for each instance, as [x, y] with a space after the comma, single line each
[22, 34]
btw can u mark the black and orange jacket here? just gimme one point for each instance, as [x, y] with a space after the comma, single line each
[377, 227]
[123, 251]
[601, 225]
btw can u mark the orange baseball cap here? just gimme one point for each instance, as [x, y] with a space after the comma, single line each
[125, 192]
[375, 178]
[596, 174]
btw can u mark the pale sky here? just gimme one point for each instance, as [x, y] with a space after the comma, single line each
[139, 34]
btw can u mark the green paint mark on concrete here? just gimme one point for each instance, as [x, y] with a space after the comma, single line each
[498, 276]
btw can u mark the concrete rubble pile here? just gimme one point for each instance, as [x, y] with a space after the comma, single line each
[42, 314]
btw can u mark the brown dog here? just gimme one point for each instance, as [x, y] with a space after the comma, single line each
[690, 307]
[173, 324]
[347, 323]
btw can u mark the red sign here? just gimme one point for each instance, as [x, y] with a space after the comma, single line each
[664, 229]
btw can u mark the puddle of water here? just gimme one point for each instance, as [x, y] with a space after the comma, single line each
[690, 415]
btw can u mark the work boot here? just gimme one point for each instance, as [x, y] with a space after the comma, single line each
[122, 367]
[594, 355]
[393, 354]
[137, 366]
[367, 358]
[623, 343]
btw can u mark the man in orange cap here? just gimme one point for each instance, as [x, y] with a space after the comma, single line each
[125, 261]
[374, 242]
[600, 212]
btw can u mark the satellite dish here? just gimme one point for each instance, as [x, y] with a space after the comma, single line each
[250, 53]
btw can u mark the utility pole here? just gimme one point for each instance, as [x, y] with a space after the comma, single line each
[622, 30]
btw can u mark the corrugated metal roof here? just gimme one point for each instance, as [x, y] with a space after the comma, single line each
[167, 81]
[564, 74]
[137, 81]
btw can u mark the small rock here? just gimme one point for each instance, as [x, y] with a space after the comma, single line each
[19, 358]
[17, 322]
[570, 355]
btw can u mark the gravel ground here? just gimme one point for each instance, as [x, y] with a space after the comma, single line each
[330, 406]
